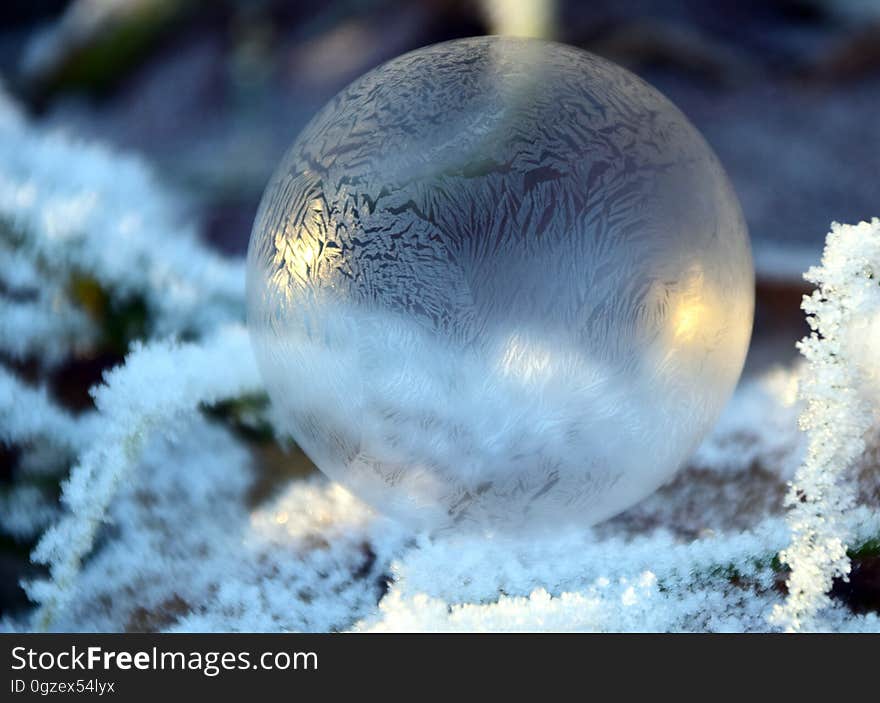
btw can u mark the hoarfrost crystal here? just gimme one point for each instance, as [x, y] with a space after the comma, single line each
[499, 283]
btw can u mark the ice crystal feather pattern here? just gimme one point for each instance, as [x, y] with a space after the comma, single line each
[499, 283]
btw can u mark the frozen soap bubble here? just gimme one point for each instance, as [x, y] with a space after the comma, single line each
[499, 283]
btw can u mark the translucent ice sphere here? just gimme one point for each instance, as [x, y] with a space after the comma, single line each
[499, 283]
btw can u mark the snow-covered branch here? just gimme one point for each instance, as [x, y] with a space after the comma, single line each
[839, 388]
[158, 384]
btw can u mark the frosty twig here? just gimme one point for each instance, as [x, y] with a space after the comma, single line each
[843, 313]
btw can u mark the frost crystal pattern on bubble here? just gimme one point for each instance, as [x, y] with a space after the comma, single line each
[499, 283]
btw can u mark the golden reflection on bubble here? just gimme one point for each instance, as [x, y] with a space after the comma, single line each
[297, 256]
[702, 321]
[689, 323]
[694, 311]
[688, 319]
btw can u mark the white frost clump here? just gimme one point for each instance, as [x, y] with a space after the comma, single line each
[71, 209]
[188, 553]
[166, 522]
[839, 390]
[157, 386]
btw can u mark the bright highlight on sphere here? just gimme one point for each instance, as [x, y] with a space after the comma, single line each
[499, 284]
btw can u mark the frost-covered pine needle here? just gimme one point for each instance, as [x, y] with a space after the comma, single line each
[158, 384]
[843, 360]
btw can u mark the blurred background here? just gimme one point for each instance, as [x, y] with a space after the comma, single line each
[212, 92]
